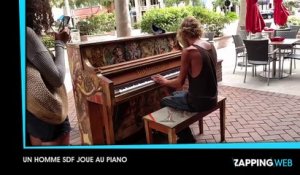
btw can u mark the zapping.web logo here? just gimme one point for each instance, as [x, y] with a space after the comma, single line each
[263, 162]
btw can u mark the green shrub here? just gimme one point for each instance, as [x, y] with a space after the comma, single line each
[212, 21]
[102, 23]
[167, 18]
[171, 17]
[84, 28]
[48, 41]
[231, 16]
[137, 25]
[97, 24]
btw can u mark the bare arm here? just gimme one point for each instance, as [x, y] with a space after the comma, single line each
[179, 81]
[53, 71]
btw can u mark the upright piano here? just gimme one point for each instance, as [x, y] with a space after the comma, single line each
[112, 83]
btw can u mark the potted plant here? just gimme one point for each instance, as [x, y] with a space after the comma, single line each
[84, 30]
[209, 35]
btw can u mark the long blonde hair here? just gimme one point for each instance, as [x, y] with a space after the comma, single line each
[189, 28]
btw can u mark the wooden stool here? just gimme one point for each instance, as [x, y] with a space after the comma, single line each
[158, 120]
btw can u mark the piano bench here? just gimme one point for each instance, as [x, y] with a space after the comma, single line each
[160, 121]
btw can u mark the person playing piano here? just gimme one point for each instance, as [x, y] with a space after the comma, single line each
[198, 61]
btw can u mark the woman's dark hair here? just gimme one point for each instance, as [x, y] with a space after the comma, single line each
[38, 15]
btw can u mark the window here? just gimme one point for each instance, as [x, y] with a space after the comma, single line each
[154, 2]
[132, 3]
[143, 3]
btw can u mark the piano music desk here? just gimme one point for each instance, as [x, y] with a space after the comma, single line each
[181, 119]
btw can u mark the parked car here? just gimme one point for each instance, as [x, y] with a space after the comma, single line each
[267, 14]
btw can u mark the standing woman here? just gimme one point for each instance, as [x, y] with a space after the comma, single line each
[52, 70]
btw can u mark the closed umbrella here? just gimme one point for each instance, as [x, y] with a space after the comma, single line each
[280, 13]
[254, 20]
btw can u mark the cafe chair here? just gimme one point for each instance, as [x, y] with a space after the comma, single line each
[258, 54]
[291, 56]
[295, 28]
[297, 46]
[268, 24]
[243, 34]
[240, 51]
[292, 34]
[287, 34]
[281, 30]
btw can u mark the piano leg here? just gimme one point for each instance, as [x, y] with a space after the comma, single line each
[96, 123]
[149, 137]
[108, 124]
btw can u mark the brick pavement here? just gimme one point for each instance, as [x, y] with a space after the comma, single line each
[252, 116]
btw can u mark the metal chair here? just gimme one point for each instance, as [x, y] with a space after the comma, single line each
[281, 30]
[239, 51]
[291, 56]
[257, 54]
[295, 28]
[243, 34]
[287, 34]
[268, 24]
[243, 27]
[288, 49]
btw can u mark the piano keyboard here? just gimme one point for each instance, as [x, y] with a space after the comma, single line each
[144, 83]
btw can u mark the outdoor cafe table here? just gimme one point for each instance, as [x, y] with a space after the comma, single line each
[279, 44]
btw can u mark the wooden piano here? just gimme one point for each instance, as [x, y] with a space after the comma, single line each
[112, 83]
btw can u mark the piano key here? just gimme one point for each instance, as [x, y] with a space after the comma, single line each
[145, 82]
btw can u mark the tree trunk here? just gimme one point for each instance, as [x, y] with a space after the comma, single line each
[122, 18]
[242, 19]
[67, 11]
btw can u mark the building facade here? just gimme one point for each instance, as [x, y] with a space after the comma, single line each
[139, 7]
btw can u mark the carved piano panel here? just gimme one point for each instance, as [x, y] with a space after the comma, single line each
[80, 99]
[122, 51]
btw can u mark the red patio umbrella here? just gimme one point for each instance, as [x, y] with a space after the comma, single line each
[280, 13]
[254, 20]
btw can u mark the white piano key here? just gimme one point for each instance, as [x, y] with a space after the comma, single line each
[145, 83]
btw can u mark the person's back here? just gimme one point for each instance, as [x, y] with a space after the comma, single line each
[203, 92]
